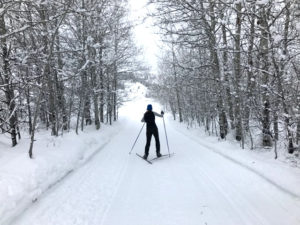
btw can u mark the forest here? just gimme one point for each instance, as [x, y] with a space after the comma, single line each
[61, 61]
[233, 66]
[230, 66]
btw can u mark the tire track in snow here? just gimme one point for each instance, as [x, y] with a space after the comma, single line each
[120, 180]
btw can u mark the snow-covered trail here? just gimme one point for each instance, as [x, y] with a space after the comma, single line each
[196, 186]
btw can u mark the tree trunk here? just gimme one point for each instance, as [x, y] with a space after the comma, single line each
[250, 75]
[8, 86]
[60, 87]
[210, 31]
[237, 73]
[92, 53]
[264, 52]
[49, 80]
[176, 86]
[101, 76]
[226, 79]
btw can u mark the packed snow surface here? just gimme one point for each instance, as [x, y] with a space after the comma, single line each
[206, 182]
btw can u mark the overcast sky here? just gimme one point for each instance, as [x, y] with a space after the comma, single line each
[144, 32]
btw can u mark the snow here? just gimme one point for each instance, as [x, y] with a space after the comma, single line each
[206, 182]
[97, 45]
[23, 180]
[262, 2]
[261, 162]
[206, 5]
[238, 1]
[277, 38]
[2, 10]
[298, 27]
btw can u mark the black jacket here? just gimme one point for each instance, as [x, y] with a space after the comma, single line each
[149, 118]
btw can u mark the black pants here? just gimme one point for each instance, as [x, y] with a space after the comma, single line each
[152, 131]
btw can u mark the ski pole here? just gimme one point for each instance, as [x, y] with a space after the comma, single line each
[166, 136]
[137, 138]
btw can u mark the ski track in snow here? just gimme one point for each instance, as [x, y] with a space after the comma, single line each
[196, 186]
[211, 148]
[84, 195]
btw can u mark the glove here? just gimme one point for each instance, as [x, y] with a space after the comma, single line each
[162, 112]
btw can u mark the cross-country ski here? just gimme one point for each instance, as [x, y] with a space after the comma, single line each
[155, 158]
[148, 161]
[163, 156]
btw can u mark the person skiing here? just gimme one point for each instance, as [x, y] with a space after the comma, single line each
[149, 119]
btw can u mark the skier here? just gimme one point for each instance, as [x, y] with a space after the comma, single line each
[149, 118]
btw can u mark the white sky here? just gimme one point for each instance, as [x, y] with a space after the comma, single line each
[144, 32]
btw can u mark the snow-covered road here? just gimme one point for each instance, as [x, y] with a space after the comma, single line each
[196, 186]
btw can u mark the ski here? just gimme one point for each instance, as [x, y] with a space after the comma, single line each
[162, 156]
[143, 158]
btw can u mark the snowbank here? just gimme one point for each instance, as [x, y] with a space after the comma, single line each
[23, 180]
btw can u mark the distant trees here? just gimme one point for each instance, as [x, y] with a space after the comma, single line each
[234, 64]
[60, 61]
